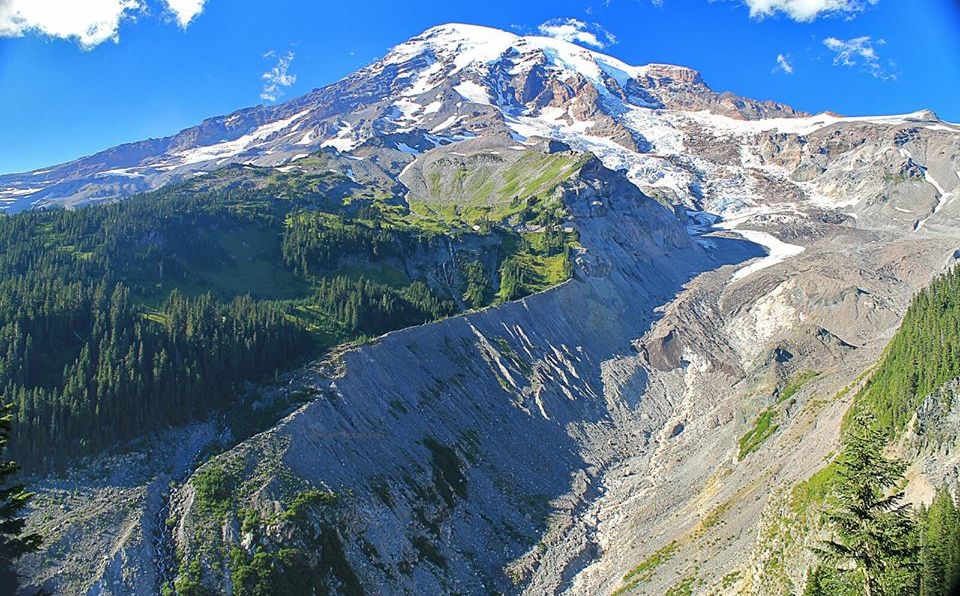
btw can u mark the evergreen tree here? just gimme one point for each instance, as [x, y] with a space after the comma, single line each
[478, 291]
[923, 355]
[940, 546]
[13, 498]
[104, 338]
[824, 581]
[872, 530]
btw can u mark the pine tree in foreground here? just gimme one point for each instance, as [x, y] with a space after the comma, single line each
[872, 538]
[13, 498]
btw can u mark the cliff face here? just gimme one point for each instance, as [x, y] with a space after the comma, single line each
[475, 433]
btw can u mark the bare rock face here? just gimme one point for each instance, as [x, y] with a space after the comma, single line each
[681, 88]
[660, 76]
[931, 443]
[510, 400]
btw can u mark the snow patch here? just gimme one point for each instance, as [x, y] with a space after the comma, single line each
[432, 107]
[803, 126]
[17, 192]
[305, 139]
[473, 92]
[446, 123]
[344, 140]
[226, 149]
[777, 251]
[125, 172]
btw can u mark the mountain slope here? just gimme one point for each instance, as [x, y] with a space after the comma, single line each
[739, 265]
[451, 82]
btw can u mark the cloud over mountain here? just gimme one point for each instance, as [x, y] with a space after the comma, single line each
[806, 10]
[577, 31]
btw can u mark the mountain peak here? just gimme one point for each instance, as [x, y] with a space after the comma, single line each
[462, 37]
[451, 82]
[473, 41]
[465, 31]
[475, 44]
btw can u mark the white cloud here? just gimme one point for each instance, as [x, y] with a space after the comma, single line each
[783, 64]
[185, 10]
[859, 51]
[575, 30]
[278, 77]
[806, 10]
[89, 22]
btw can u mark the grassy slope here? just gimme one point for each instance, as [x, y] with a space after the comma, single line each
[495, 194]
[473, 203]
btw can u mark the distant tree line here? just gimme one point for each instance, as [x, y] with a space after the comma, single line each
[121, 319]
[98, 345]
[923, 355]
[314, 241]
[368, 308]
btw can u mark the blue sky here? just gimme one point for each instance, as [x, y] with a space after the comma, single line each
[75, 79]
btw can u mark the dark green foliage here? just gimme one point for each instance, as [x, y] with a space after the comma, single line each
[118, 372]
[901, 551]
[518, 279]
[189, 582]
[538, 261]
[97, 345]
[304, 557]
[932, 568]
[924, 354]
[825, 581]
[214, 486]
[872, 530]
[120, 320]
[939, 531]
[285, 573]
[305, 501]
[13, 498]
[316, 565]
[313, 242]
[368, 308]
[479, 290]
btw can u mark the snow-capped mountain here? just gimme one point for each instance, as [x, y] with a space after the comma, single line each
[662, 123]
[718, 157]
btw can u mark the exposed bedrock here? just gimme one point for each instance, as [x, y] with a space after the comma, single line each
[471, 432]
